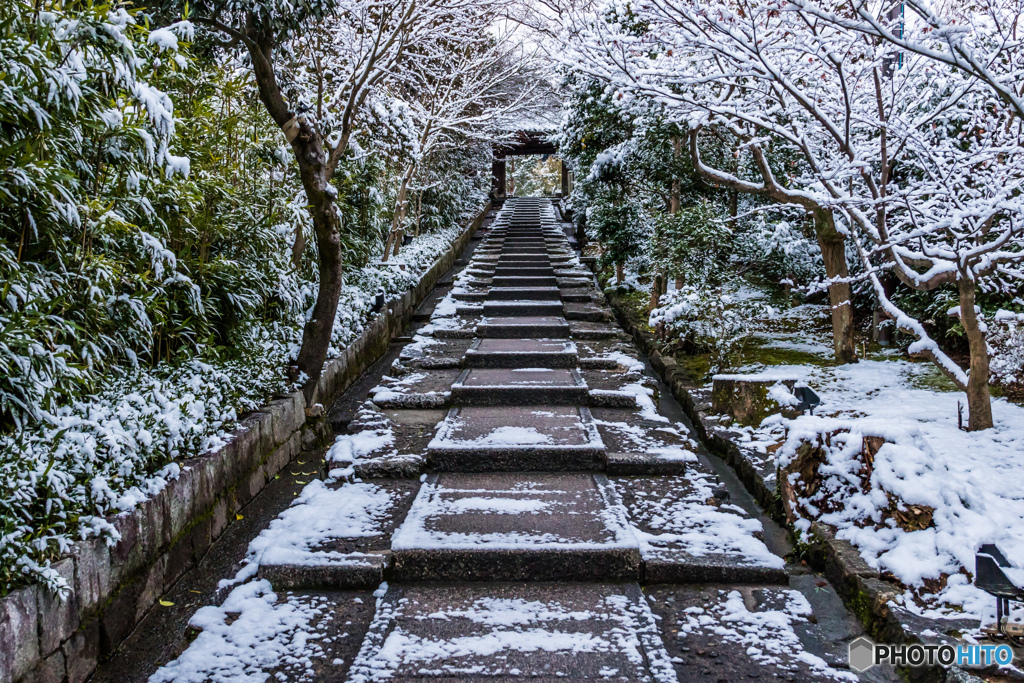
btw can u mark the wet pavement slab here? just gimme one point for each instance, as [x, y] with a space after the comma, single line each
[536, 632]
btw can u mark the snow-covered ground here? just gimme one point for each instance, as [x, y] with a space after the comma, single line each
[973, 480]
[257, 629]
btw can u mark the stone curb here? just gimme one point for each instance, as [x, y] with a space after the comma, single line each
[44, 639]
[863, 591]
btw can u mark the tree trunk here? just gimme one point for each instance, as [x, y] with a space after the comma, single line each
[734, 201]
[840, 294]
[419, 212]
[316, 335]
[620, 276]
[675, 196]
[398, 220]
[315, 174]
[979, 403]
[655, 293]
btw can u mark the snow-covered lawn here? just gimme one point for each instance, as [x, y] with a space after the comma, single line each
[973, 480]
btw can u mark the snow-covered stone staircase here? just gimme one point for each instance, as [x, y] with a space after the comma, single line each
[550, 489]
[519, 488]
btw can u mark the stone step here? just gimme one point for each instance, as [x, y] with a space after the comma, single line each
[679, 567]
[357, 570]
[519, 386]
[523, 293]
[520, 308]
[503, 633]
[504, 269]
[645, 464]
[335, 536]
[588, 312]
[575, 283]
[468, 296]
[512, 281]
[593, 331]
[490, 527]
[549, 236]
[523, 327]
[515, 263]
[517, 438]
[521, 353]
[515, 255]
[571, 272]
[688, 536]
[576, 297]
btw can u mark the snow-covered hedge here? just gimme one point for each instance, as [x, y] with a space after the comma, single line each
[109, 451]
[711, 320]
[157, 261]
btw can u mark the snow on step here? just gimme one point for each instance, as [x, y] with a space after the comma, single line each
[505, 527]
[524, 293]
[332, 536]
[523, 327]
[742, 633]
[521, 308]
[521, 353]
[511, 438]
[514, 281]
[688, 536]
[519, 386]
[526, 632]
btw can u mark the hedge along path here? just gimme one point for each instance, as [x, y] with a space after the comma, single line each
[113, 588]
[512, 504]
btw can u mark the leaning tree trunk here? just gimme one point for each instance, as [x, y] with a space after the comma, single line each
[979, 402]
[840, 294]
[398, 220]
[316, 335]
[314, 172]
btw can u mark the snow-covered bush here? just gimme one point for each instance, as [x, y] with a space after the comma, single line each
[157, 262]
[1006, 339]
[780, 249]
[697, 243]
[620, 226]
[707, 320]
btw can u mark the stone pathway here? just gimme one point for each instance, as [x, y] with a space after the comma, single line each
[520, 509]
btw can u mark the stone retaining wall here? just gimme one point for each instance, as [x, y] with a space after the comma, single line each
[44, 639]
